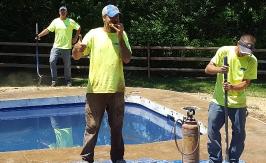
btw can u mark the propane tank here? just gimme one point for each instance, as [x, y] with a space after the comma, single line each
[191, 137]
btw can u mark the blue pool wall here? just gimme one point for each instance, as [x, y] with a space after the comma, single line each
[15, 103]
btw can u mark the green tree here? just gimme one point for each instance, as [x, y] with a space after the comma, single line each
[169, 22]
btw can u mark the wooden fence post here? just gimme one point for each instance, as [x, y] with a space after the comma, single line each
[9, 63]
[148, 61]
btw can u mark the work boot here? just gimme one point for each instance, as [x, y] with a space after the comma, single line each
[69, 84]
[53, 84]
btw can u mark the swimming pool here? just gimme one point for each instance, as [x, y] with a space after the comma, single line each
[59, 122]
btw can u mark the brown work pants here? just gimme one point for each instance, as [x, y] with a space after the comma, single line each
[96, 104]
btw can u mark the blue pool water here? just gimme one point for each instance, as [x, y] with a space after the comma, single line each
[25, 128]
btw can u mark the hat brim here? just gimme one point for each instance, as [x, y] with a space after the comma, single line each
[63, 8]
[245, 50]
[112, 14]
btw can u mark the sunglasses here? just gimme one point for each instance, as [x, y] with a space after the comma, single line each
[246, 45]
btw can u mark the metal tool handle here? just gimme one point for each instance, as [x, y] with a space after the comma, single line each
[226, 64]
[226, 113]
[37, 53]
[36, 29]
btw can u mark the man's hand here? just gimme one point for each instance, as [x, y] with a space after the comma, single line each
[224, 69]
[119, 29]
[37, 37]
[212, 69]
[236, 87]
[228, 86]
[76, 51]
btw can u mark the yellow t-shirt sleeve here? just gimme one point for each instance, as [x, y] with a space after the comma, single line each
[74, 24]
[251, 72]
[51, 27]
[87, 41]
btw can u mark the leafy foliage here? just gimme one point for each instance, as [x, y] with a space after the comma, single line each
[169, 22]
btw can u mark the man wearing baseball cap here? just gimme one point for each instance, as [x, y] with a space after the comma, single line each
[63, 28]
[108, 48]
[110, 10]
[62, 8]
[241, 69]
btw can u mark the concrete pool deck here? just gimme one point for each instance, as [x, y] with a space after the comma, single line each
[254, 150]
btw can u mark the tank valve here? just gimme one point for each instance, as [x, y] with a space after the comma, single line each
[191, 111]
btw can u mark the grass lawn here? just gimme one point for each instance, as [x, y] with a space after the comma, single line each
[170, 82]
[183, 84]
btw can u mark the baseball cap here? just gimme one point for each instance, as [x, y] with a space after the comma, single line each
[62, 8]
[247, 44]
[110, 10]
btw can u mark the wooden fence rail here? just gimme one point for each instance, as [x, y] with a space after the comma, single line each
[144, 67]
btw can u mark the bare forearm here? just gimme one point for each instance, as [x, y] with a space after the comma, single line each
[43, 33]
[77, 35]
[125, 52]
[212, 69]
[240, 86]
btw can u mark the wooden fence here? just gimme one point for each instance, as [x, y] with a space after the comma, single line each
[147, 58]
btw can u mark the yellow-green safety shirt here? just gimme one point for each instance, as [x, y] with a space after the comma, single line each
[106, 66]
[240, 68]
[63, 32]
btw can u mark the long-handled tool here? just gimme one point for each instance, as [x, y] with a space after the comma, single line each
[37, 55]
[226, 114]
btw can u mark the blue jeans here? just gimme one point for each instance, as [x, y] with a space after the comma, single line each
[216, 119]
[65, 54]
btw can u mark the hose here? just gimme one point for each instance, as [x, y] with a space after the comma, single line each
[181, 151]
